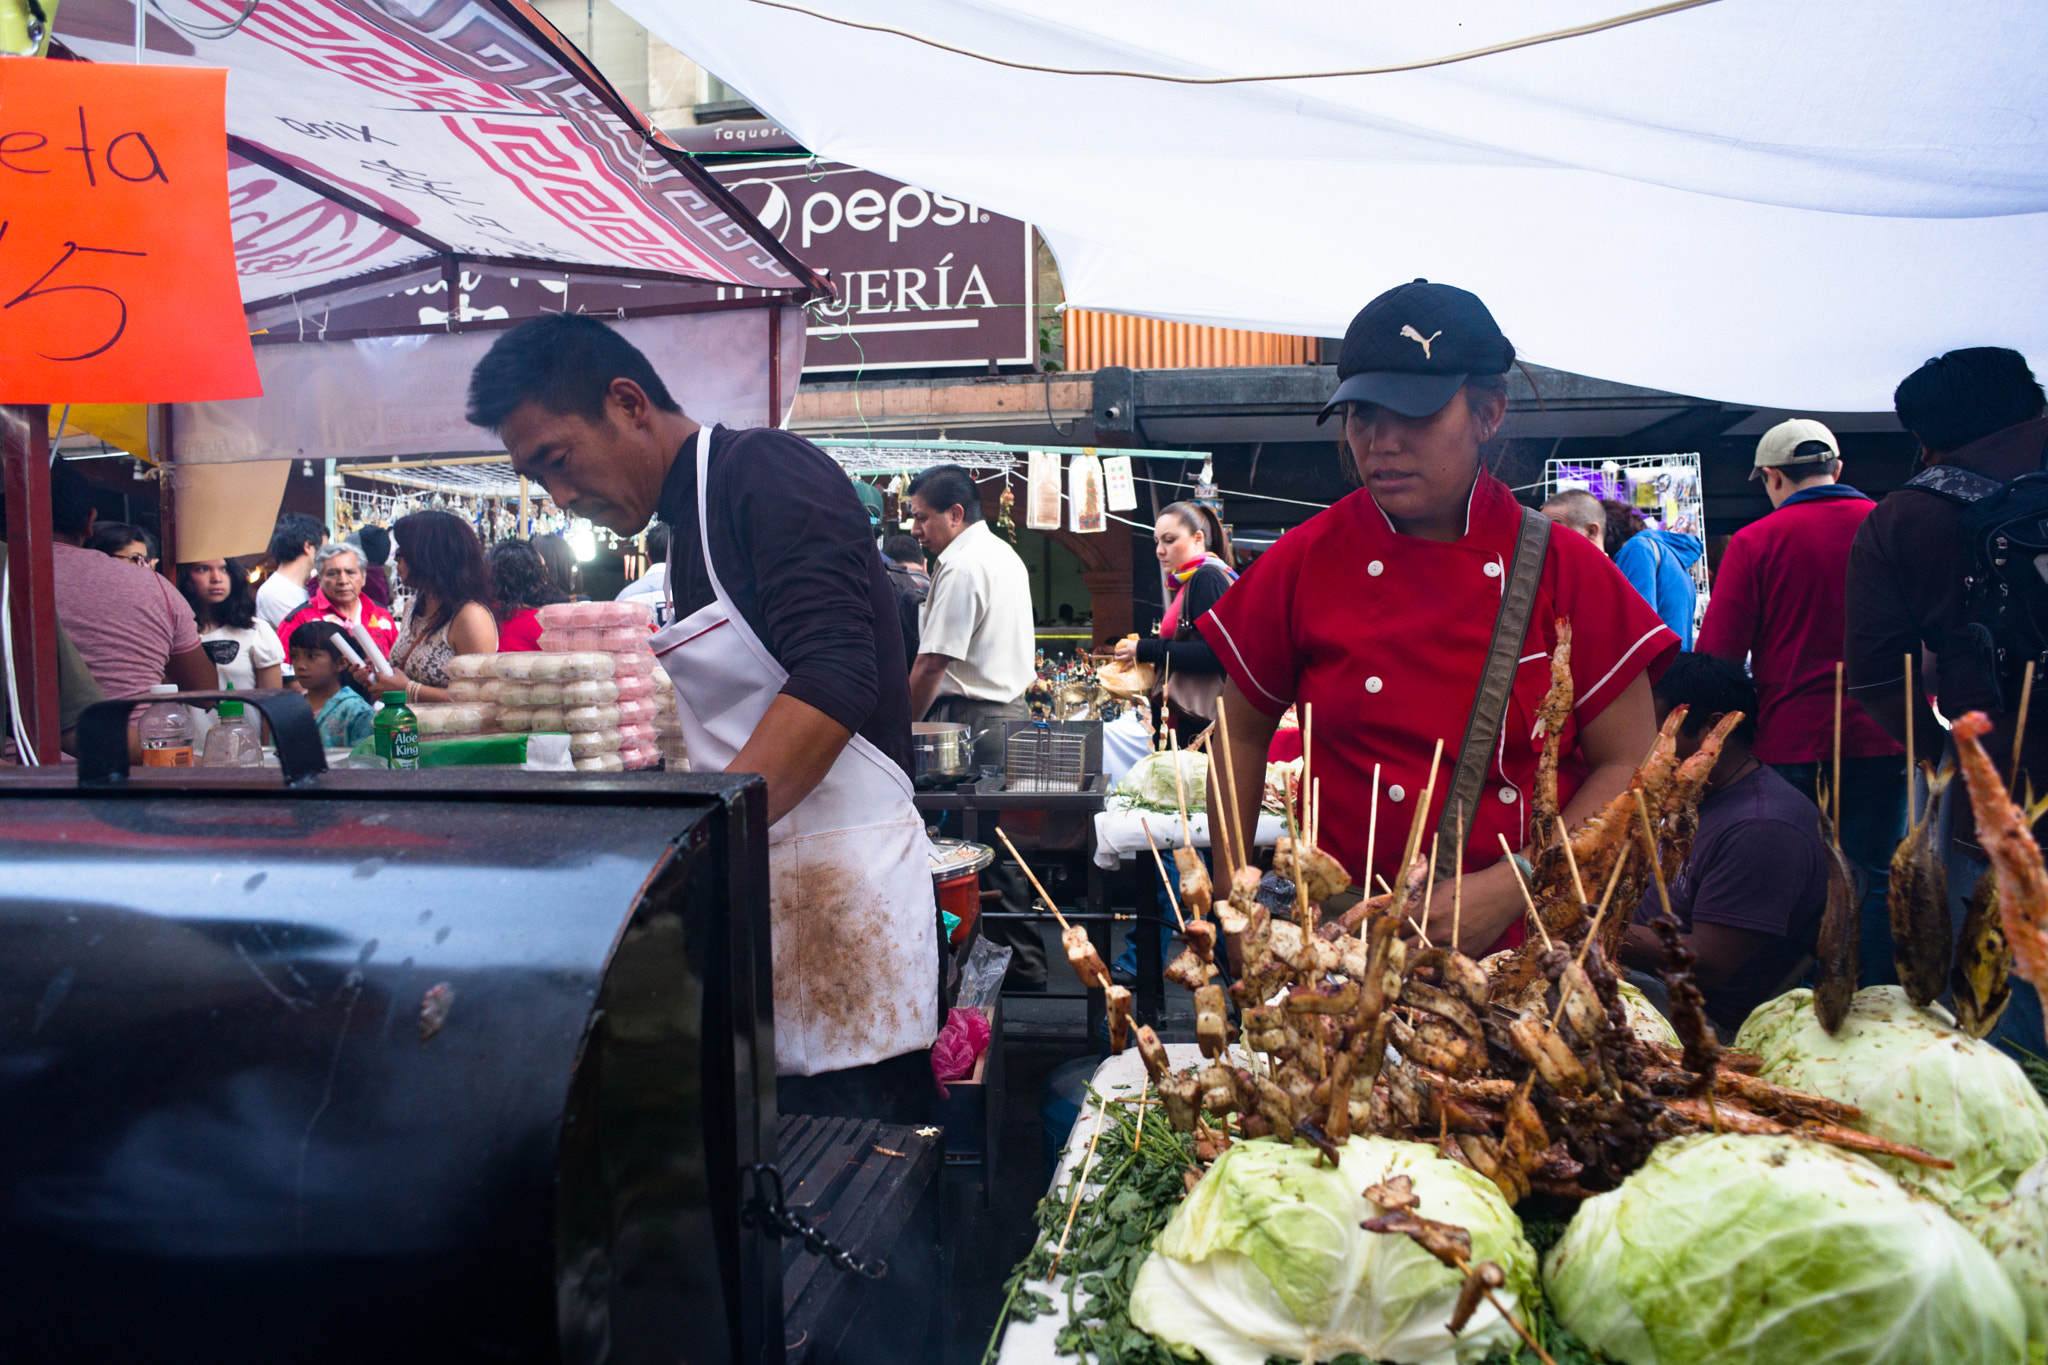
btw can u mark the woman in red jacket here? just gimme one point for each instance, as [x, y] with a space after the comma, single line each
[1380, 613]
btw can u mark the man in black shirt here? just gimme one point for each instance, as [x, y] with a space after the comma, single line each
[787, 662]
[1750, 897]
[903, 557]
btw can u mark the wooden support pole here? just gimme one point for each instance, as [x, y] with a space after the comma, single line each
[32, 590]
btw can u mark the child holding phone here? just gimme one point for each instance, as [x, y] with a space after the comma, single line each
[343, 712]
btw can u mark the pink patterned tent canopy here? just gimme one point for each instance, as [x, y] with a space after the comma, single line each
[371, 143]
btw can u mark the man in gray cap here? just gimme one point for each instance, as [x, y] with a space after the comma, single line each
[1780, 601]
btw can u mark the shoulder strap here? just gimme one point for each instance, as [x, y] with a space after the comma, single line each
[1490, 706]
[1955, 483]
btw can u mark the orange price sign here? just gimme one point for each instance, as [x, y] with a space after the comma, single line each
[117, 269]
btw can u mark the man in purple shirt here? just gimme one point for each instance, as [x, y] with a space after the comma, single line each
[132, 628]
[1750, 897]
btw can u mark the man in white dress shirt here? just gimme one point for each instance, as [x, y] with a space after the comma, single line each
[976, 656]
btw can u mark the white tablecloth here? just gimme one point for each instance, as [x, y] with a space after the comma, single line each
[1120, 833]
[1031, 1343]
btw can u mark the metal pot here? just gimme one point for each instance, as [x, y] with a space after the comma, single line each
[941, 752]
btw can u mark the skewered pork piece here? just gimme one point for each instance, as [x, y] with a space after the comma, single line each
[1917, 898]
[1980, 985]
[1834, 976]
[2003, 831]
[1301, 863]
[1210, 1029]
[1189, 971]
[1118, 999]
[1550, 719]
[1087, 963]
[1195, 891]
[1153, 1052]
[1200, 936]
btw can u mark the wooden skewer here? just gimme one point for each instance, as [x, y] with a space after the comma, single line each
[1458, 881]
[1613, 880]
[1064, 926]
[1429, 885]
[1159, 862]
[1421, 816]
[1372, 825]
[1839, 667]
[1235, 830]
[1527, 899]
[1308, 768]
[1384, 888]
[1080, 1184]
[1650, 847]
[1420, 932]
[1180, 788]
[1294, 836]
[1572, 860]
[1911, 819]
[1315, 819]
[2019, 728]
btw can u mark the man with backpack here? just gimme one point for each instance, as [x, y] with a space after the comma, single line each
[1778, 603]
[1948, 565]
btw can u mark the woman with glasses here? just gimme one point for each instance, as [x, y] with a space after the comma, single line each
[121, 541]
[244, 649]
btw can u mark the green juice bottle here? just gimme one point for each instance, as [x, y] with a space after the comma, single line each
[397, 733]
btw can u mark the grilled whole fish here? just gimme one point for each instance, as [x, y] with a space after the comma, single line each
[1834, 979]
[1981, 980]
[1922, 946]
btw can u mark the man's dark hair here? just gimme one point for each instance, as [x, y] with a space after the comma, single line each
[70, 499]
[295, 534]
[1709, 687]
[1966, 395]
[1621, 524]
[903, 549]
[566, 362]
[658, 539]
[376, 542]
[948, 485]
[554, 550]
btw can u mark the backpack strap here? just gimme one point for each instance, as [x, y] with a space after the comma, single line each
[1955, 483]
[1496, 685]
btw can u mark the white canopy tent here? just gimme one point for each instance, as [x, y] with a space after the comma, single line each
[1783, 203]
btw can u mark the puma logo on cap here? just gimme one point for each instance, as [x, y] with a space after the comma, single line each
[1408, 330]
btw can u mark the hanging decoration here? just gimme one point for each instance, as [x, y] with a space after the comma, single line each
[1119, 486]
[1084, 495]
[1042, 492]
[1005, 506]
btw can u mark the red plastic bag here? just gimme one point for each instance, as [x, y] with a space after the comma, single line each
[959, 1044]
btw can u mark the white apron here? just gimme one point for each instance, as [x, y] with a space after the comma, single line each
[851, 907]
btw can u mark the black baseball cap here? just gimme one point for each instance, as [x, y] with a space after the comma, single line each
[1412, 347]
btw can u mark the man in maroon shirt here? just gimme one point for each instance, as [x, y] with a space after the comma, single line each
[1979, 410]
[1779, 600]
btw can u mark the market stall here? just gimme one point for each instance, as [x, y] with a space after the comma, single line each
[1379, 1148]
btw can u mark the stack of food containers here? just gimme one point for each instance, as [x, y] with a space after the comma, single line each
[668, 736]
[616, 633]
[561, 693]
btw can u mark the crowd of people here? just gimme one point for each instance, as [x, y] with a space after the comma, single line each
[850, 636]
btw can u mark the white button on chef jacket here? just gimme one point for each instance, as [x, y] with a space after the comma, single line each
[1492, 569]
[1375, 568]
[1395, 793]
[1508, 795]
[1373, 684]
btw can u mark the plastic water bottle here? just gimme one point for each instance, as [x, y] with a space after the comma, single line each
[396, 732]
[234, 742]
[167, 731]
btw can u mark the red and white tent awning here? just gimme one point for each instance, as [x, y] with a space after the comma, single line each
[371, 142]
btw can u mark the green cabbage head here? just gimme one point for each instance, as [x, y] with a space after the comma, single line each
[1150, 781]
[1267, 1258]
[1917, 1079]
[1643, 1019]
[2015, 1231]
[1777, 1251]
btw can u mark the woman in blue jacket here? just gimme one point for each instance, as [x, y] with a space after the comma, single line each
[1657, 563]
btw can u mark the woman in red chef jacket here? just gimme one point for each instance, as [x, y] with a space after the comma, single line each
[1381, 614]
